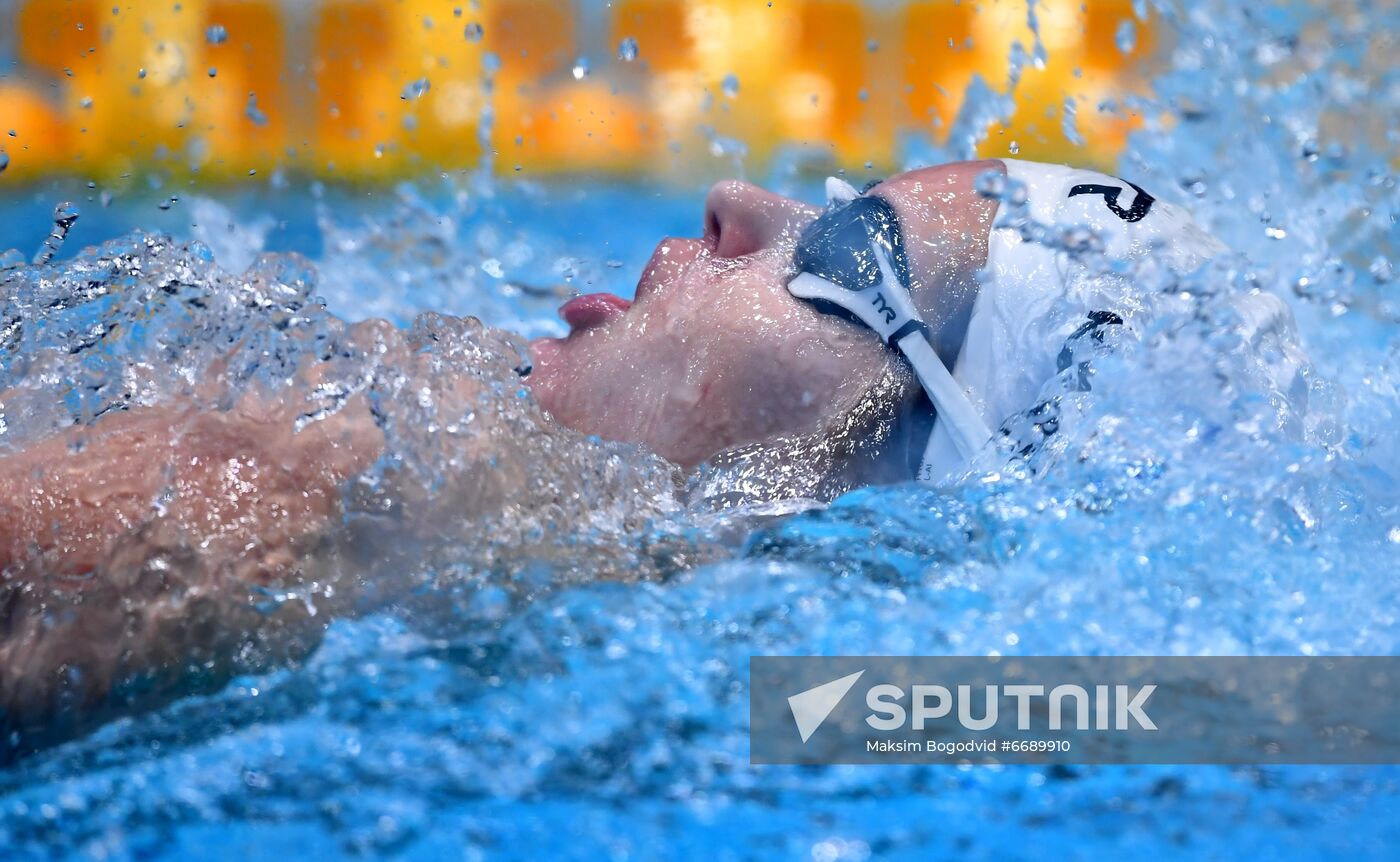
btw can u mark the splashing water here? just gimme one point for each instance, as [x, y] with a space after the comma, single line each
[1189, 504]
[64, 215]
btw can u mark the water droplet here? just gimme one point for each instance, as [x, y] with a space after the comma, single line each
[581, 68]
[4, 161]
[415, 89]
[105, 198]
[63, 217]
[730, 86]
[169, 202]
[872, 46]
[1014, 148]
[492, 267]
[1275, 232]
[213, 71]
[1069, 124]
[1310, 150]
[85, 102]
[253, 112]
[217, 34]
[1126, 36]
[627, 49]
[141, 73]
[473, 32]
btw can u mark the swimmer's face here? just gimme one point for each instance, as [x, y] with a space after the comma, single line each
[714, 352]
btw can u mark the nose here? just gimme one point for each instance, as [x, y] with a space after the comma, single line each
[741, 218]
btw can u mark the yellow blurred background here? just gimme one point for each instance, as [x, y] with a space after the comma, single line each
[369, 89]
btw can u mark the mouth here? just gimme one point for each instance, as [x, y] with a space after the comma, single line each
[592, 310]
[667, 262]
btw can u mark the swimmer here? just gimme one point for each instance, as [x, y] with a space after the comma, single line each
[887, 336]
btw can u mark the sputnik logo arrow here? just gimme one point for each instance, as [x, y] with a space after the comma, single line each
[811, 707]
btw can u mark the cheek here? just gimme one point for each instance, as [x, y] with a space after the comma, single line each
[788, 383]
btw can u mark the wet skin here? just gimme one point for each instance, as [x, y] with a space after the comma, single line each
[714, 352]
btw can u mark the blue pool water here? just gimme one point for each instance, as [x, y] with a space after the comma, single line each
[1192, 510]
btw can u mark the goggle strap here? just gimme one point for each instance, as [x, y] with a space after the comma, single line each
[965, 425]
[888, 309]
[969, 432]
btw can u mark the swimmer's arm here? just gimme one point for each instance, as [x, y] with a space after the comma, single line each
[129, 550]
[239, 483]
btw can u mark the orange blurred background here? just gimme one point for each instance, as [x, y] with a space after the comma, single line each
[374, 89]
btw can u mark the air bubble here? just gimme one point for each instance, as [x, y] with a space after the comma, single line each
[627, 50]
[415, 89]
[730, 86]
[4, 161]
[581, 68]
[473, 32]
[217, 34]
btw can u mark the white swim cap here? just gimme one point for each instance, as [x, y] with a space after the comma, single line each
[1031, 300]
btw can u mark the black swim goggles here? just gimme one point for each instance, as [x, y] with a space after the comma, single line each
[851, 261]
